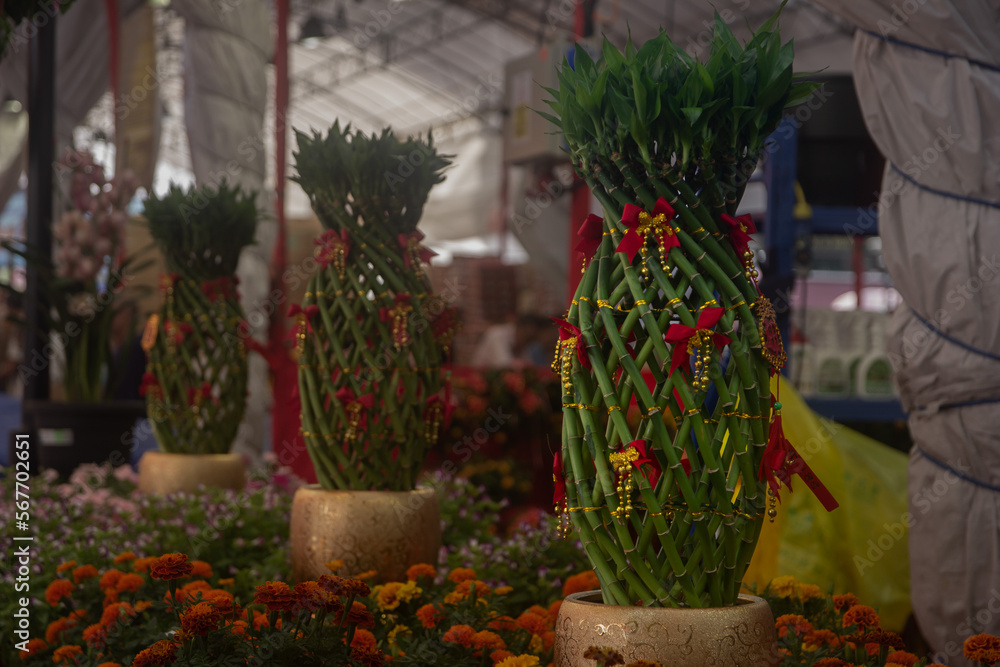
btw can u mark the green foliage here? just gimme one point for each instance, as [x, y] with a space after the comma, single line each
[202, 231]
[354, 180]
[371, 336]
[670, 291]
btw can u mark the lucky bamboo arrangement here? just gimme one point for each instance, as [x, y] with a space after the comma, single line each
[670, 514]
[196, 379]
[370, 333]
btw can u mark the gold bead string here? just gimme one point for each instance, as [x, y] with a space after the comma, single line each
[605, 304]
[671, 509]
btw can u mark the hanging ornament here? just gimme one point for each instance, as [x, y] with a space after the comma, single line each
[640, 225]
[740, 229]
[559, 502]
[697, 342]
[398, 316]
[622, 462]
[770, 336]
[570, 344]
[333, 249]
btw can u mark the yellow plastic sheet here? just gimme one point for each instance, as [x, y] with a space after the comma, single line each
[861, 547]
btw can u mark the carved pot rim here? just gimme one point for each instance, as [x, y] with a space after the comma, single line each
[228, 456]
[594, 598]
[319, 490]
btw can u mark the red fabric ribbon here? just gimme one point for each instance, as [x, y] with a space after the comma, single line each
[680, 335]
[646, 457]
[333, 246]
[740, 229]
[591, 233]
[641, 223]
[781, 461]
[413, 252]
[568, 332]
[559, 482]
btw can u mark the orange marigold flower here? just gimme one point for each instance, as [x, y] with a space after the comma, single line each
[143, 564]
[84, 572]
[368, 657]
[523, 660]
[95, 634]
[110, 578]
[903, 658]
[983, 648]
[503, 590]
[863, 616]
[460, 574]
[276, 596]
[110, 597]
[464, 590]
[814, 639]
[189, 590]
[238, 628]
[794, 622]
[66, 653]
[578, 583]
[68, 565]
[343, 586]
[459, 634]
[142, 605]
[533, 623]
[200, 568]
[831, 662]
[223, 601]
[502, 623]
[311, 597]
[163, 652]
[548, 639]
[334, 565]
[129, 582]
[57, 590]
[55, 630]
[109, 664]
[112, 613]
[488, 640]
[170, 566]
[200, 619]
[429, 615]
[363, 639]
[844, 602]
[368, 574]
[229, 581]
[500, 655]
[360, 616]
[607, 656]
[554, 610]
[421, 570]
[124, 557]
[879, 637]
[34, 646]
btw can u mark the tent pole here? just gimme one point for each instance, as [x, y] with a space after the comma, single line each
[41, 149]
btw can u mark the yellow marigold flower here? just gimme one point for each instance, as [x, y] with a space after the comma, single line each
[66, 653]
[784, 587]
[84, 572]
[536, 645]
[460, 574]
[503, 590]
[334, 565]
[63, 567]
[396, 631]
[519, 661]
[124, 557]
[464, 589]
[809, 592]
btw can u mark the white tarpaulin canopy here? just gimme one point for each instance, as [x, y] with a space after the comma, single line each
[928, 80]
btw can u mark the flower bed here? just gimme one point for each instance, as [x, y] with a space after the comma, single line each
[198, 579]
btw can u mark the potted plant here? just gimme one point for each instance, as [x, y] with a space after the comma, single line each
[196, 381]
[91, 319]
[669, 512]
[370, 340]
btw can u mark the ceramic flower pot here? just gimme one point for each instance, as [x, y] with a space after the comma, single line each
[738, 636]
[163, 472]
[385, 531]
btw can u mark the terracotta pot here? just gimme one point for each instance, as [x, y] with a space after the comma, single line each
[738, 636]
[163, 472]
[385, 531]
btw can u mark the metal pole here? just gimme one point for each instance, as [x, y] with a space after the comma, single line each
[41, 149]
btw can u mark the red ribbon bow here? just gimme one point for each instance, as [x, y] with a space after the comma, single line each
[397, 315]
[333, 247]
[645, 458]
[414, 254]
[641, 223]
[685, 338]
[591, 233]
[740, 229]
